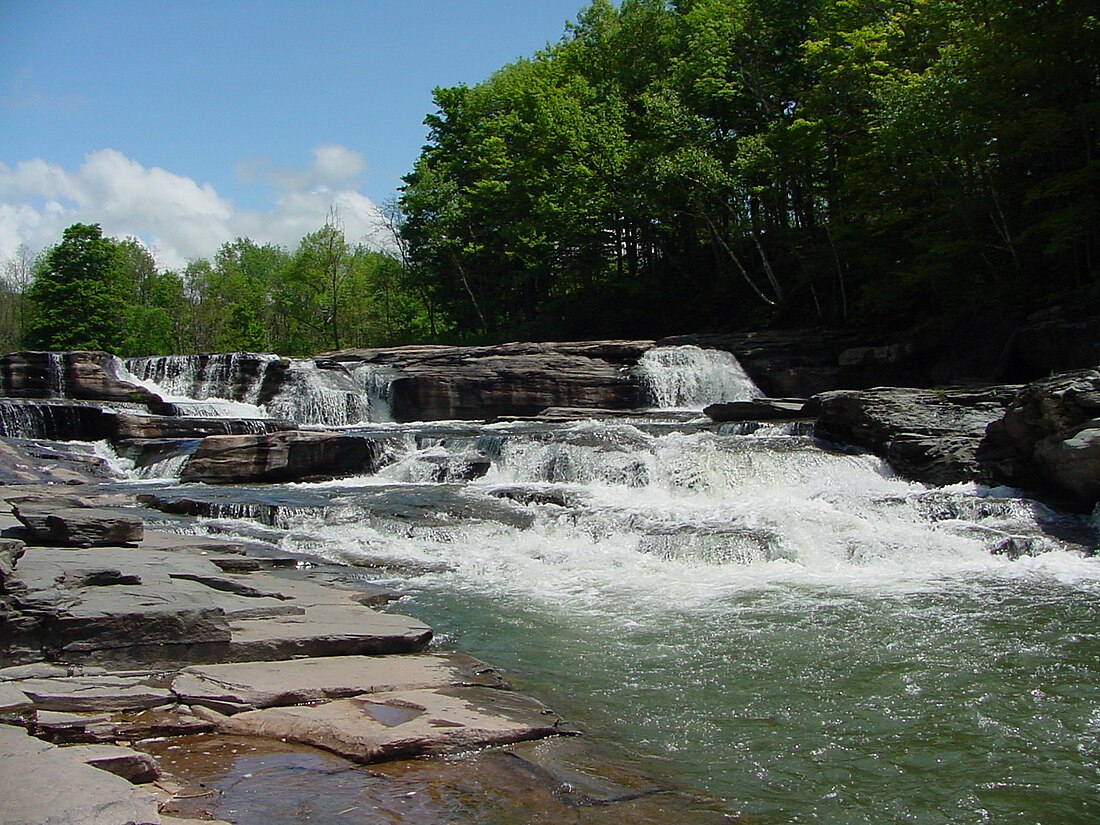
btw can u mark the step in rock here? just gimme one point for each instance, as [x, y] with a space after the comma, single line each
[78, 526]
[233, 688]
[95, 694]
[127, 763]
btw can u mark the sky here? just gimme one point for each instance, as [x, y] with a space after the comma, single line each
[189, 123]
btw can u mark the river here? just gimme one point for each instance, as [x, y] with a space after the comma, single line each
[758, 618]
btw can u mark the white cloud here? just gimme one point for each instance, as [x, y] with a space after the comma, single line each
[176, 216]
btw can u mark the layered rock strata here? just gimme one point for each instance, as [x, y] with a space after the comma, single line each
[432, 383]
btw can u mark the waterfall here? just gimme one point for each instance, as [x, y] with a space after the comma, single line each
[688, 377]
[247, 385]
[326, 396]
[230, 376]
[57, 375]
[21, 418]
[376, 382]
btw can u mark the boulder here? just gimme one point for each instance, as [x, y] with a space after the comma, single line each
[282, 457]
[78, 526]
[86, 375]
[432, 383]
[926, 435]
[1049, 439]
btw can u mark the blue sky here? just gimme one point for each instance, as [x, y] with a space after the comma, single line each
[188, 123]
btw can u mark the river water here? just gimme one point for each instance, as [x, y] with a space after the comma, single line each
[788, 628]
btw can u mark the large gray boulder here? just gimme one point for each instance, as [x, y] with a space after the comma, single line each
[282, 457]
[1049, 439]
[926, 435]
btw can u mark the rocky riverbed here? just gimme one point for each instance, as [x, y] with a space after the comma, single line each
[164, 677]
[148, 675]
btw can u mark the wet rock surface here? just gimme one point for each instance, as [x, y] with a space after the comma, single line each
[927, 435]
[159, 645]
[1049, 438]
[85, 375]
[759, 409]
[280, 457]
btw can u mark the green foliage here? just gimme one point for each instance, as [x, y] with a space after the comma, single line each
[711, 163]
[101, 293]
[77, 293]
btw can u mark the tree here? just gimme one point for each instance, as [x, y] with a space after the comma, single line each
[15, 282]
[77, 293]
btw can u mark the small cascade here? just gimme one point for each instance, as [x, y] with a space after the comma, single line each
[232, 376]
[41, 419]
[56, 376]
[688, 377]
[327, 396]
[376, 381]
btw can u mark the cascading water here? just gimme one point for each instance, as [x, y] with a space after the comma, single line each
[328, 397]
[687, 377]
[791, 629]
[231, 376]
[233, 385]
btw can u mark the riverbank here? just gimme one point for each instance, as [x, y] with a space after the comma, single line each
[197, 676]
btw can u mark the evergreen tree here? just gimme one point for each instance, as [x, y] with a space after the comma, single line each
[77, 295]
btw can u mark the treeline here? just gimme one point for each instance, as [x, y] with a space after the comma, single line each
[672, 166]
[702, 164]
[95, 292]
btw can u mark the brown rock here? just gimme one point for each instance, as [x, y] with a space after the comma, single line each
[404, 724]
[433, 383]
[281, 457]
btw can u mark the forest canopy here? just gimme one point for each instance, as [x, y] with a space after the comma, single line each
[94, 292]
[701, 164]
[671, 166]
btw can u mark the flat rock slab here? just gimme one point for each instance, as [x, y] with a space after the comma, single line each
[232, 688]
[404, 724]
[92, 694]
[79, 526]
[14, 703]
[759, 409]
[135, 606]
[324, 630]
[41, 784]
